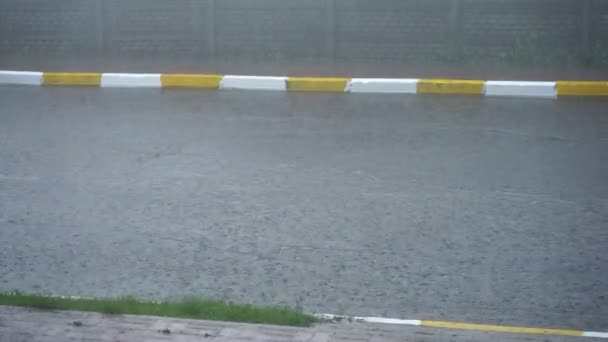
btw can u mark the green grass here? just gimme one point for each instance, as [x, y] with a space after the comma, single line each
[186, 308]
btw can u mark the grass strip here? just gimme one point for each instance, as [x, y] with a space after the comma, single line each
[189, 307]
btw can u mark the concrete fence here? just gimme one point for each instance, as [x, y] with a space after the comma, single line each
[310, 30]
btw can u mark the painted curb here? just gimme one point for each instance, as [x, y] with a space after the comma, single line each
[254, 82]
[21, 77]
[521, 88]
[467, 326]
[582, 88]
[322, 84]
[383, 85]
[112, 80]
[452, 87]
[71, 79]
[190, 81]
[311, 84]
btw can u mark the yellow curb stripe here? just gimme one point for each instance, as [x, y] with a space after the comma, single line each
[71, 78]
[582, 88]
[191, 81]
[330, 84]
[463, 87]
[499, 328]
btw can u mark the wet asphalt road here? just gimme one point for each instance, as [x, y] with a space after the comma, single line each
[457, 208]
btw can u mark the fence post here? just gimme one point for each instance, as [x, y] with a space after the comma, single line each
[210, 29]
[585, 28]
[197, 25]
[455, 27]
[99, 9]
[330, 29]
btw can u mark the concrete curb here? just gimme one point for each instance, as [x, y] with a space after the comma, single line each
[317, 84]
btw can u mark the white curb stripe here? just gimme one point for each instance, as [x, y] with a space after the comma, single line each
[131, 80]
[254, 82]
[391, 320]
[383, 85]
[21, 77]
[521, 88]
[370, 319]
[595, 334]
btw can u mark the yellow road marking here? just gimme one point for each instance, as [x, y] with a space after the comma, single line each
[582, 88]
[71, 78]
[332, 84]
[436, 86]
[191, 81]
[499, 328]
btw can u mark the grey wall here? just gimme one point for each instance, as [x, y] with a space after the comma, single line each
[316, 30]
